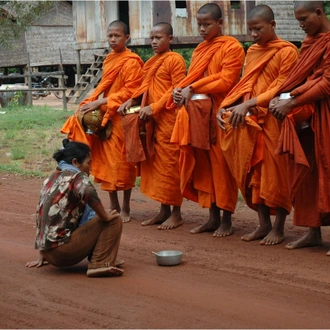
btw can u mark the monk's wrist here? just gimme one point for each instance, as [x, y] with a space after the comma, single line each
[292, 103]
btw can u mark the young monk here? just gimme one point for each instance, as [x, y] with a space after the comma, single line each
[215, 68]
[251, 132]
[160, 178]
[122, 73]
[308, 143]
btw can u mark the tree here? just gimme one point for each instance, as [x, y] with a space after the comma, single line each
[16, 16]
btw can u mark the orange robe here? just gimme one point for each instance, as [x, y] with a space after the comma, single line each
[122, 75]
[309, 148]
[204, 174]
[160, 179]
[260, 174]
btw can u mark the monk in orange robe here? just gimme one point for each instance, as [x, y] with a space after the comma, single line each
[307, 141]
[251, 133]
[215, 68]
[122, 74]
[160, 178]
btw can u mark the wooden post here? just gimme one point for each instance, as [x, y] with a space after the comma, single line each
[63, 83]
[29, 80]
[78, 65]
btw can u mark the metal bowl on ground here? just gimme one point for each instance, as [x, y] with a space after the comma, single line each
[168, 258]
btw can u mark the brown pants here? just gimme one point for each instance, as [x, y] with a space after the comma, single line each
[96, 239]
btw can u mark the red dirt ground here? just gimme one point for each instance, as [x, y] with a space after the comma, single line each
[222, 282]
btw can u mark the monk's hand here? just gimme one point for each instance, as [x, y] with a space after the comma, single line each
[272, 103]
[220, 120]
[282, 108]
[88, 107]
[37, 263]
[113, 214]
[237, 116]
[145, 113]
[177, 96]
[187, 93]
[124, 107]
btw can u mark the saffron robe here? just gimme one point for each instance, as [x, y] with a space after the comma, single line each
[160, 179]
[204, 175]
[309, 148]
[122, 74]
[260, 174]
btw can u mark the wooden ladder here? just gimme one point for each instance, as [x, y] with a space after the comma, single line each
[87, 81]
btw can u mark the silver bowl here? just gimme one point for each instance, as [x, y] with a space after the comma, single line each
[168, 258]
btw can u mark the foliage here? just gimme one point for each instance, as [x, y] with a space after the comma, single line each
[327, 9]
[17, 99]
[146, 52]
[16, 16]
[28, 137]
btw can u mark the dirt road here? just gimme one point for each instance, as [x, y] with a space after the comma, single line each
[222, 283]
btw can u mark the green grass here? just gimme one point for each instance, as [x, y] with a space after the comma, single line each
[28, 138]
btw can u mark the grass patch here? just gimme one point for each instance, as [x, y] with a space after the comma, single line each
[28, 138]
[18, 154]
[137, 181]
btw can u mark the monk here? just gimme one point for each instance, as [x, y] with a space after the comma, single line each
[122, 73]
[250, 134]
[160, 179]
[307, 141]
[215, 69]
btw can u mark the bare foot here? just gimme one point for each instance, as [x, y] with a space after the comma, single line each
[125, 216]
[223, 231]
[306, 241]
[225, 228]
[328, 254]
[105, 272]
[257, 234]
[273, 238]
[205, 227]
[171, 223]
[157, 219]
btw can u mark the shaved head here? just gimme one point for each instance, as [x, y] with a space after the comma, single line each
[263, 12]
[310, 6]
[211, 8]
[119, 24]
[168, 29]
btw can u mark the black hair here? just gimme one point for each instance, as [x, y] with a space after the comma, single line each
[71, 150]
[211, 8]
[261, 11]
[121, 24]
[310, 6]
[167, 27]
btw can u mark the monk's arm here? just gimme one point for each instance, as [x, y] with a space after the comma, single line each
[177, 68]
[287, 58]
[223, 81]
[318, 91]
[132, 77]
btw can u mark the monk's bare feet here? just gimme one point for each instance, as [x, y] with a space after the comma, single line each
[223, 231]
[259, 233]
[273, 238]
[313, 238]
[164, 213]
[212, 224]
[157, 219]
[171, 223]
[225, 228]
[205, 227]
[328, 253]
[125, 215]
